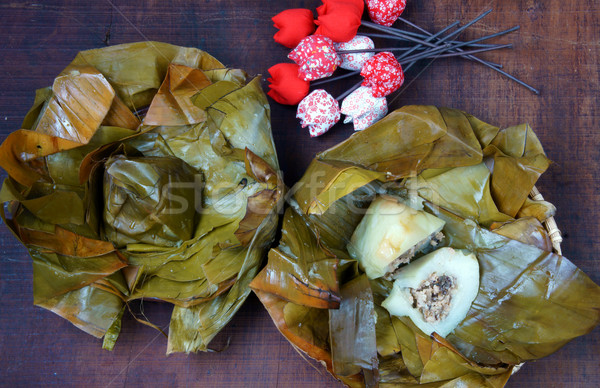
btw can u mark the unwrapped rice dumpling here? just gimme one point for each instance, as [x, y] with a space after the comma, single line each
[435, 291]
[390, 234]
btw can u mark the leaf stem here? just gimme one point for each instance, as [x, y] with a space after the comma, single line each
[373, 50]
[336, 78]
[456, 54]
[474, 58]
[396, 33]
[429, 39]
[347, 92]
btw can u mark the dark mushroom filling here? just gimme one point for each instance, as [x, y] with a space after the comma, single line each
[433, 297]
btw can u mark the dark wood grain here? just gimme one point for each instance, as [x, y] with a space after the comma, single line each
[557, 50]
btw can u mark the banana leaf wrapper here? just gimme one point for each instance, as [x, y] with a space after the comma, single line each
[147, 171]
[477, 178]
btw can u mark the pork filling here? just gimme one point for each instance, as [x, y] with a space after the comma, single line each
[433, 297]
[394, 267]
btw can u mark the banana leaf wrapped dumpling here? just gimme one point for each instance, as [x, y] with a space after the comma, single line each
[148, 186]
[475, 178]
[390, 234]
[146, 171]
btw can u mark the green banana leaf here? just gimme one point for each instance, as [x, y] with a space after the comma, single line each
[137, 70]
[515, 152]
[301, 268]
[410, 140]
[146, 171]
[540, 209]
[523, 291]
[470, 198]
[477, 178]
[352, 333]
[528, 230]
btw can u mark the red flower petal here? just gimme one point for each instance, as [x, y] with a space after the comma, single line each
[286, 87]
[340, 25]
[316, 57]
[357, 6]
[383, 74]
[385, 12]
[339, 19]
[319, 111]
[294, 25]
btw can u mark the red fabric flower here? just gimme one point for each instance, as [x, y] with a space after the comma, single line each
[294, 25]
[363, 109]
[357, 6]
[318, 111]
[385, 12]
[355, 61]
[383, 74]
[339, 19]
[286, 87]
[316, 57]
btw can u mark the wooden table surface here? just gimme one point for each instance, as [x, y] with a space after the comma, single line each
[557, 50]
